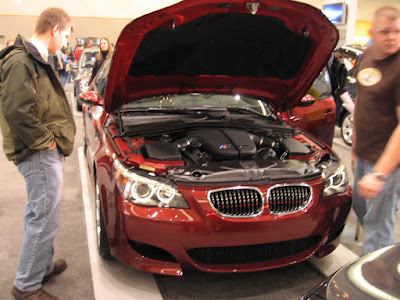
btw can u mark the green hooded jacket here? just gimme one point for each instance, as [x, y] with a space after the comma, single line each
[34, 111]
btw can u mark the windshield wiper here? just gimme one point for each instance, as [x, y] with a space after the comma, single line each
[198, 112]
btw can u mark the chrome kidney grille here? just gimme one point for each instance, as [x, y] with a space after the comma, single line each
[239, 202]
[242, 202]
[287, 199]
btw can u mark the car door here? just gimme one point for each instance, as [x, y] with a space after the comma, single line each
[316, 113]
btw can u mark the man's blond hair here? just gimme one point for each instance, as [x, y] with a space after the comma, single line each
[50, 17]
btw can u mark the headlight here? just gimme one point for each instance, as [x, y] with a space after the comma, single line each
[335, 175]
[145, 191]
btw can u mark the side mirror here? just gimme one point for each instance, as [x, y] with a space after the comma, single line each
[91, 98]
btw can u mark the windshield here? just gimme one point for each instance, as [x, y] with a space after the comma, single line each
[196, 110]
[204, 101]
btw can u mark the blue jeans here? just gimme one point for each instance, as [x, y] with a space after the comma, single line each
[64, 77]
[43, 178]
[377, 216]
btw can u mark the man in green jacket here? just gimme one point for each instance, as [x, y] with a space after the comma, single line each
[38, 131]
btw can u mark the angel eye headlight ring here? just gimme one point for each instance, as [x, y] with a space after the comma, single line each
[142, 191]
[165, 195]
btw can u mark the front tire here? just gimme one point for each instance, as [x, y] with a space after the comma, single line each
[346, 128]
[77, 92]
[102, 241]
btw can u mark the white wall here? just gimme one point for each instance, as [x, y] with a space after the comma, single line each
[366, 8]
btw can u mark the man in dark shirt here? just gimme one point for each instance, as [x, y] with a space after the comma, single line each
[376, 132]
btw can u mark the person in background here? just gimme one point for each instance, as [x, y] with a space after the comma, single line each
[70, 51]
[62, 73]
[65, 67]
[69, 61]
[376, 132]
[38, 132]
[78, 51]
[89, 44]
[106, 50]
[10, 42]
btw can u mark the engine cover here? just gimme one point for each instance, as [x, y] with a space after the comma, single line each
[225, 144]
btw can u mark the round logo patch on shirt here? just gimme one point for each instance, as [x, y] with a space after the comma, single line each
[369, 76]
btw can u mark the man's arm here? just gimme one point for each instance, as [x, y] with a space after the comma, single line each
[348, 102]
[371, 184]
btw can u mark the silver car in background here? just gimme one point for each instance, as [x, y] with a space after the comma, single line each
[83, 71]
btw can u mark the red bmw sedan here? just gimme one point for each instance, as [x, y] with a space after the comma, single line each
[192, 165]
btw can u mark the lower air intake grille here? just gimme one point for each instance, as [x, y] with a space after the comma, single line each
[286, 199]
[252, 253]
[237, 202]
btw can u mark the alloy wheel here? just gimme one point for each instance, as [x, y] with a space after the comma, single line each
[347, 128]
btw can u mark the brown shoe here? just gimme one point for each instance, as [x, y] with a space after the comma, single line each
[59, 267]
[39, 294]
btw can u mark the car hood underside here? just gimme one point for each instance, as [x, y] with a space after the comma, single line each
[273, 51]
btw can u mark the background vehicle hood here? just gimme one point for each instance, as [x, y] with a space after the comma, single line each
[273, 50]
[373, 276]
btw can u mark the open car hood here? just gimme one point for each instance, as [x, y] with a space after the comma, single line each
[273, 50]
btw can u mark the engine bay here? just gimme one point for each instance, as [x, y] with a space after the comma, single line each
[218, 153]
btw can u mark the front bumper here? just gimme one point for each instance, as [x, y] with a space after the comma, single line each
[167, 240]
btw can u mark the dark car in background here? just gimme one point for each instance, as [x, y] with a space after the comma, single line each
[372, 276]
[192, 165]
[348, 55]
